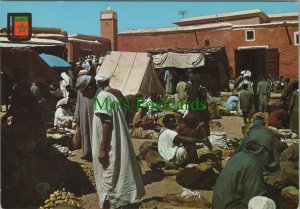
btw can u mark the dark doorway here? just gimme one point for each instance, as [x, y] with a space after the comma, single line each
[250, 59]
[259, 61]
[85, 52]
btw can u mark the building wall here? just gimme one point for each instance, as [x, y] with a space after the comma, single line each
[275, 37]
[75, 47]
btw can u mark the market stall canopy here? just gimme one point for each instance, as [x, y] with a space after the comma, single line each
[178, 60]
[29, 60]
[47, 46]
[131, 72]
[54, 61]
[215, 67]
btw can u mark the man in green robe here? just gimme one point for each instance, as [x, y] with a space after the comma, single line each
[242, 178]
[263, 92]
[294, 111]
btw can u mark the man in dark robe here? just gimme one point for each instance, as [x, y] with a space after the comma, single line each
[197, 92]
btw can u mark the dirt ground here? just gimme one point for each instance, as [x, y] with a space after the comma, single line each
[158, 188]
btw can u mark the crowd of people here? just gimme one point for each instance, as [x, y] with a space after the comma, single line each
[254, 97]
[106, 140]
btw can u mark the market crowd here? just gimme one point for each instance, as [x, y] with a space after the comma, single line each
[105, 134]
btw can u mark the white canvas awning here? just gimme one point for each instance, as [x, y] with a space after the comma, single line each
[131, 72]
[178, 60]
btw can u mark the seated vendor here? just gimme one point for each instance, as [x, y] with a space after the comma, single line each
[231, 103]
[141, 119]
[63, 115]
[279, 119]
[190, 128]
[177, 149]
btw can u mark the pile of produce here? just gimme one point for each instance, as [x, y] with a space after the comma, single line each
[62, 197]
[89, 172]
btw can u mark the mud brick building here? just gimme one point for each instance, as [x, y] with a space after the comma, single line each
[253, 40]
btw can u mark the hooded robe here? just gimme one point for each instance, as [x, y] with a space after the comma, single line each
[242, 178]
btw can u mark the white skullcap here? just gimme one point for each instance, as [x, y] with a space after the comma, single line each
[102, 78]
[260, 202]
[83, 81]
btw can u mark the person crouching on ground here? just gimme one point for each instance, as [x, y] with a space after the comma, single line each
[243, 176]
[63, 115]
[177, 149]
[141, 119]
[118, 178]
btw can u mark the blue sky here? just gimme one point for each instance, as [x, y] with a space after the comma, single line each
[84, 17]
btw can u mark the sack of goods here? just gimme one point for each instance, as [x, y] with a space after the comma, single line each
[222, 111]
[218, 139]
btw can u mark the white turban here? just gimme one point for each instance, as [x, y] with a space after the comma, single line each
[102, 78]
[260, 202]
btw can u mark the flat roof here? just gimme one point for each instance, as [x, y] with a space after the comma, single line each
[290, 14]
[88, 37]
[83, 41]
[222, 16]
[206, 26]
[4, 42]
[272, 24]
[177, 29]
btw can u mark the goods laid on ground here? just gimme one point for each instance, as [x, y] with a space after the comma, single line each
[149, 152]
[222, 111]
[204, 154]
[140, 133]
[61, 137]
[218, 139]
[178, 207]
[63, 150]
[170, 172]
[291, 194]
[216, 125]
[62, 197]
[212, 108]
[89, 172]
[227, 152]
[187, 193]
[201, 176]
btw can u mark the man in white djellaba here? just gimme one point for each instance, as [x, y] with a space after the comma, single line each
[118, 178]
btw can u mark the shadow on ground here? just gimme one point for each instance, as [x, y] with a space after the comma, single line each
[23, 172]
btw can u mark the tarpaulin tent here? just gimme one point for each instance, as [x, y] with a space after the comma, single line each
[178, 60]
[211, 63]
[131, 72]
